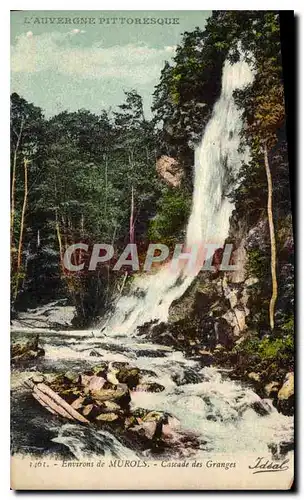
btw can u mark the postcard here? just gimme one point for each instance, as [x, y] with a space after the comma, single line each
[152, 252]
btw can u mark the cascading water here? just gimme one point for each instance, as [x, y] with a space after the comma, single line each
[217, 163]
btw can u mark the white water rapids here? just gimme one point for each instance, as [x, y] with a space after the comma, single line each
[222, 412]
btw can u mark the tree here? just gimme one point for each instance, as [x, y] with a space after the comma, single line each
[77, 177]
[26, 148]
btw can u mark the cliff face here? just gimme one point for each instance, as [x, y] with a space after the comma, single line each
[222, 318]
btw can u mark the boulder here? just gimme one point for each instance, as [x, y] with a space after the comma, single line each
[88, 410]
[145, 429]
[271, 389]
[71, 378]
[78, 403]
[153, 416]
[150, 387]
[100, 370]
[206, 357]
[149, 426]
[24, 352]
[171, 427]
[107, 417]
[286, 395]
[37, 378]
[120, 395]
[94, 353]
[85, 379]
[96, 383]
[110, 406]
[129, 376]
[255, 377]
[261, 408]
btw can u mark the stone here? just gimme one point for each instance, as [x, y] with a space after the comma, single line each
[171, 427]
[251, 281]
[85, 379]
[254, 376]
[94, 354]
[32, 344]
[111, 406]
[111, 378]
[219, 347]
[23, 352]
[107, 417]
[271, 389]
[152, 416]
[206, 357]
[38, 378]
[129, 376]
[119, 395]
[49, 378]
[150, 387]
[241, 318]
[260, 408]
[87, 410]
[78, 403]
[100, 370]
[96, 383]
[287, 389]
[72, 377]
[145, 429]
[130, 421]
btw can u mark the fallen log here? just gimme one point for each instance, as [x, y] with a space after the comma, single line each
[53, 402]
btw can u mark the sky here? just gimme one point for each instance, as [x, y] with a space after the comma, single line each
[69, 60]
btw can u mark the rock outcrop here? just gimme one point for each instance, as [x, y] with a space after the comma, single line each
[286, 395]
[26, 351]
[170, 170]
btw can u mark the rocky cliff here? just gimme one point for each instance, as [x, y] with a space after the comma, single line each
[222, 317]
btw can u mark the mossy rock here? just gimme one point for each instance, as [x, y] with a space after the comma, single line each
[129, 376]
[100, 370]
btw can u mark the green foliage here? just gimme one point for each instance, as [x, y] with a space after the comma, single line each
[172, 214]
[268, 349]
[257, 264]
[288, 326]
[83, 170]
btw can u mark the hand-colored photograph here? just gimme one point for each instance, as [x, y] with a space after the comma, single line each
[152, 251]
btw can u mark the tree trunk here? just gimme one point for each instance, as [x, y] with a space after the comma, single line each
[13, 188]
[58, 233]
[274, 295]
[132, 217]
[57, 228]
[106, 186]
[20, 245]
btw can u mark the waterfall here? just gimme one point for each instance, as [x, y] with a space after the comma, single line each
[217, 162]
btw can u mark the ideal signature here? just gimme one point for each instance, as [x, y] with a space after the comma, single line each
[264, 465]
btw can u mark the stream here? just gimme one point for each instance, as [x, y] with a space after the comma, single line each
[227, 416]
